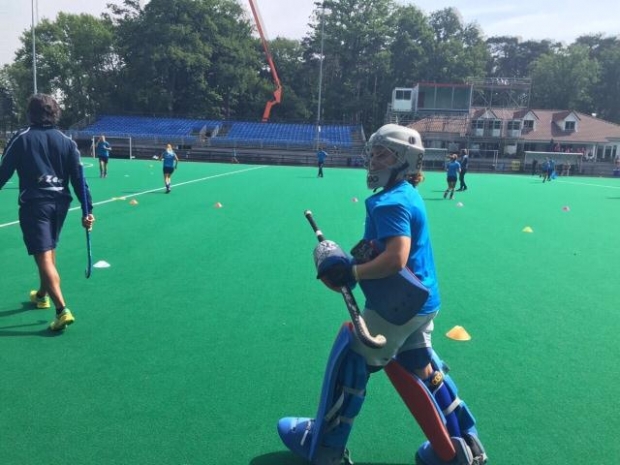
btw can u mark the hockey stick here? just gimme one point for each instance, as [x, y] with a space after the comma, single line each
[89, 267]
[349, 299]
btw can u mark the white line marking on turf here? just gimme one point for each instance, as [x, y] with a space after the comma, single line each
[587, 184]
[114, 199]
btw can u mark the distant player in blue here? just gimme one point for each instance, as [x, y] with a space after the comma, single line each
[549, 168]
[321, 155]
[453, 169]
[394, 257]
[46, 162]
[102, 150]
[171, 162]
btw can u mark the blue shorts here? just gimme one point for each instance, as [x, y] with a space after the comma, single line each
[41, 223]
[168, 169]
[451, 178]
[103, 158]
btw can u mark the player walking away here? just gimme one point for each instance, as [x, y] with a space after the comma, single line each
[548, 169]
[171, 162]
[321, 155]
[103, 150]
[46, 161]
[394, 257]
[453, 169]
[464, 162]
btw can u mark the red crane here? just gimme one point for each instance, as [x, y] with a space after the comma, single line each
[277, 93]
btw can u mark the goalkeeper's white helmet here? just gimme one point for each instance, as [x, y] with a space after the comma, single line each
[405, 144]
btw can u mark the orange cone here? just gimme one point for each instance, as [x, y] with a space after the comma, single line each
[458, 333]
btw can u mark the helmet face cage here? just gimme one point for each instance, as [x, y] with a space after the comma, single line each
[405, 143]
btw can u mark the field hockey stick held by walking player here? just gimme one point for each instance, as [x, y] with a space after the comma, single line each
[356, 317]
[89, 266]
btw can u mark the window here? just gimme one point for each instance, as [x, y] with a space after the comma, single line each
[528, 124]
[477, 124]
[569, 125]
[497, 124]
[403, 95]
[513, 125]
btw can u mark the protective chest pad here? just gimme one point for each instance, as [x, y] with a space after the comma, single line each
[396, 298]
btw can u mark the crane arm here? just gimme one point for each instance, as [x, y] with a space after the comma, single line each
[277, 93]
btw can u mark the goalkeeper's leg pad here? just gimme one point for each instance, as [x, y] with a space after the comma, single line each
[440, 448]
[322, 440]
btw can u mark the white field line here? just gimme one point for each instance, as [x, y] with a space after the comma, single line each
[207, 178]
[577, 183]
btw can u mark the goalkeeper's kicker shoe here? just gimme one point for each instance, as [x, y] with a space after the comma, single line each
[62, 321]
[39, 302]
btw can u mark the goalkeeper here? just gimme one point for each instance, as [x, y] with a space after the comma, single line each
[396, 243]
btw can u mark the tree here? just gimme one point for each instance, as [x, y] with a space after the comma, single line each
[565, 79]
[606, 92]
[75, 63]
[8, 118]
[509, 57]
[459, 52]
[189, 57]
[356, 61]
[412, 46]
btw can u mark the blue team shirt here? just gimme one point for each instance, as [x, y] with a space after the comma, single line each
[169, 158]
[453, 168]
[400, 211]
[103, 149]
[321, 155]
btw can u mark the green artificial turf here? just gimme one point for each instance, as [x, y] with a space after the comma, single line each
[209, 324]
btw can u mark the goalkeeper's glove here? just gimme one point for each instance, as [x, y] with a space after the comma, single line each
[337, 271]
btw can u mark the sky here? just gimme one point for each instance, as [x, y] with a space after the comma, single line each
[529, 19]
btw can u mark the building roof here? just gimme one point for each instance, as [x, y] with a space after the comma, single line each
[548, 124]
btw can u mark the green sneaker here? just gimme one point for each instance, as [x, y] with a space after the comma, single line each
[40, 302]
[62, 321]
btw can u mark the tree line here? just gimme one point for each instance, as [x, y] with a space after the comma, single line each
[202, 58]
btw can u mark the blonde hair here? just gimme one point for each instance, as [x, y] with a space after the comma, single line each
[169, 147]
[415, 178]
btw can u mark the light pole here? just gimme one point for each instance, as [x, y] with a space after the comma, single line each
[34, 51]
[318, 110]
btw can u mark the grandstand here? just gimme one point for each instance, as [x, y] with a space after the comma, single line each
[212, 140]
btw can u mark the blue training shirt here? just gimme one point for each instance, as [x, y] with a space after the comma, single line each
[453, 168]
[169, 158]
[321, 155]
[400, 211]
[103, 149]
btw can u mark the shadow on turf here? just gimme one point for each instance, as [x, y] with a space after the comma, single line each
[8, 331]
[287, 458]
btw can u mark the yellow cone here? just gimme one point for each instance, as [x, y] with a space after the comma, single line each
[527, 229]
[458, 333]
[133, 202]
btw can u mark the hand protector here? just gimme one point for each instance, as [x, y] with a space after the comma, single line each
[334, 266]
